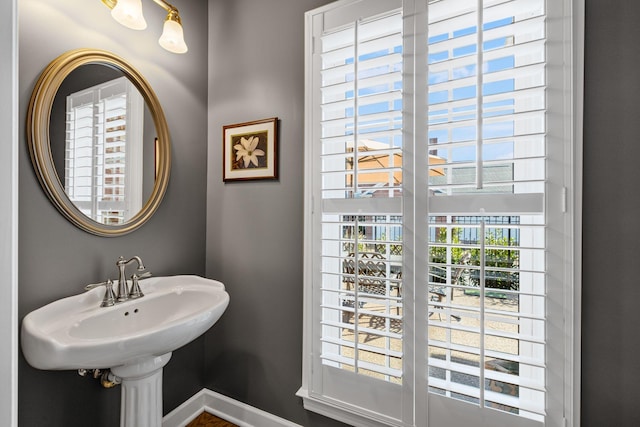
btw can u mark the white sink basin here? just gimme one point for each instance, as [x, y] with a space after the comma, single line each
[75, 332]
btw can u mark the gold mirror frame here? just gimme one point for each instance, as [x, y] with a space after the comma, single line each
[38, 139]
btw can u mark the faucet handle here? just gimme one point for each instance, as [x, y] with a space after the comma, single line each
[95, 285]
[135, 291]
[109, 298]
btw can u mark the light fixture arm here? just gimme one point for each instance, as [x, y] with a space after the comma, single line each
[172, 38]
[171, 9]
[166, 6]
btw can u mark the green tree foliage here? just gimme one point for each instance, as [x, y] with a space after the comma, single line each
[501, 257]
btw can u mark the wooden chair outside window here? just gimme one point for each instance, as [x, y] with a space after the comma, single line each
[371, 276]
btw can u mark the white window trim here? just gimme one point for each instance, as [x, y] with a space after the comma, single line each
[572, 200]
[9, 120]
[574, 293]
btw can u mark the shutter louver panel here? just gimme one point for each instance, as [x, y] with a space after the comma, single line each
[362, 110]
[361, 287]
[111, 189]
[79, 154]
[486, 125]
[361, 163]
[494, 120]
[486, 296]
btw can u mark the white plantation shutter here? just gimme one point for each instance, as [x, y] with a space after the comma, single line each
[487, 312]
[79, 155]
[487, 106]
[362, 108]
[486, 286]
[436, 228]
[359, 154]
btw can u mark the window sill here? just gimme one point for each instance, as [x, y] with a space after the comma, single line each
[341, 412]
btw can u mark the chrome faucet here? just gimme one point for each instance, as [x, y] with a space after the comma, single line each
[123, 293]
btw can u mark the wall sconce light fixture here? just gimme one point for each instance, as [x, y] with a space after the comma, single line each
[129, 14]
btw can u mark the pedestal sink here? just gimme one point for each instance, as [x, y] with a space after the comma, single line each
[134, 338]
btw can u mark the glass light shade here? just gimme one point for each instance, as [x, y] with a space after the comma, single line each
[129, 14]
[172, 38]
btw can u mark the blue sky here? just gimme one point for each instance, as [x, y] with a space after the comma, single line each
[442, 97]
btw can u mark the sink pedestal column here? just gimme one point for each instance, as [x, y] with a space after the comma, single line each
[141, 402]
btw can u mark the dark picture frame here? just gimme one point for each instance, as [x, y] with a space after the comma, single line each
[249, 150]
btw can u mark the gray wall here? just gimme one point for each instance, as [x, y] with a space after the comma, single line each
[611, 291]
[55, 258]
[254, 228]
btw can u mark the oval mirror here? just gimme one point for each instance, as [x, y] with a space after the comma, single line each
[99, 142]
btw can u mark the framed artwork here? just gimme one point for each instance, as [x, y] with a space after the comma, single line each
[249, 150]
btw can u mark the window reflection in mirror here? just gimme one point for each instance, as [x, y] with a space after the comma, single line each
[102, 144]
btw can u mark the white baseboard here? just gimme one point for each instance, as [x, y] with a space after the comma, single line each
[224, 407]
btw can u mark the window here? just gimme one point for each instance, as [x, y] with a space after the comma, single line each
[437, 229]
[103, 156]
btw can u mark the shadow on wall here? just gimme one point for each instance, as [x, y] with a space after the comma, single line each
[249, 382]
[98, 406]
[235, 369]
[242, 373]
